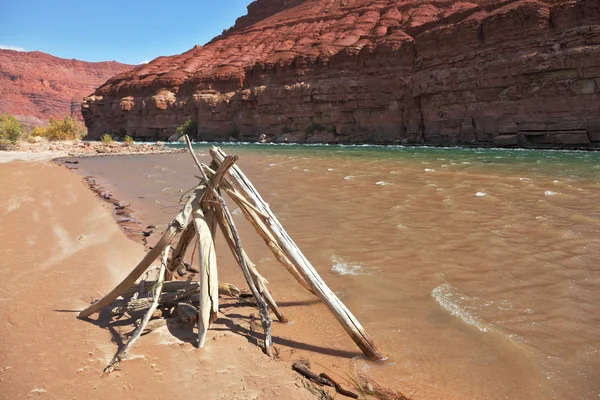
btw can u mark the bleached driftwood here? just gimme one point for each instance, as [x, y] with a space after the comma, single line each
[180, 221]
[204, 210]
[209, 284]
[177, 257]
[223, 212]
[260, 282]
[140, 328]
[350, 324]
[225, 288]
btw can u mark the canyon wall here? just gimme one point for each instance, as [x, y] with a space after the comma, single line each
[36, 86]
[478, 72]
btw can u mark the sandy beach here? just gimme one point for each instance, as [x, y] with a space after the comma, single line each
[60, 249]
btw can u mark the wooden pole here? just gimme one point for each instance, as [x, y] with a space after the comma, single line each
[180, 221]
[260, 282]
[259, 226]
[209, 283]
[140, 328]
[350, 324]
[225, 215]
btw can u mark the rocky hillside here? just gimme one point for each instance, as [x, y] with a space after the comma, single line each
[475, 72]
[36, 86]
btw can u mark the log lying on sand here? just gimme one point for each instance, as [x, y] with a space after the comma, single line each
[225, 288]
[272, 227]
[172, 293]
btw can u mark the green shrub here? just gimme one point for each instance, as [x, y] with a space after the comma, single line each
[128, 140]
[38, 131]
[65, 129]
[314, 127]
[189, 128]
[10, 129]
[106, 138]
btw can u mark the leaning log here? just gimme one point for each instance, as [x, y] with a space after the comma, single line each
[180, 221]
[209, 284]
[350, 324]
[140, 328]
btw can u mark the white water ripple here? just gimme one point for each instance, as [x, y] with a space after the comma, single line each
[342, 267]
[451, 302]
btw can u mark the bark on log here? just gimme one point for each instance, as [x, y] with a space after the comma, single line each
[180, 221]
[140, 328]
[244, 187]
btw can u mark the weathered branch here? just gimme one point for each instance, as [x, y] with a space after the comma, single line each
[140, 328]
[209, 285]
[350, 324]
[177, 257]
[226, 215]
[175, 226]
[260, 282]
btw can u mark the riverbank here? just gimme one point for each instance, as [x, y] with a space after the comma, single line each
[457, 261]
[41, 149]
[60, 250]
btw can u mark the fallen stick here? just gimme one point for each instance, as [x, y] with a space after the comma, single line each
[304, 371]
[180, 221]
[272, 225]
[338, 387]
[140, 328]
[152, 325]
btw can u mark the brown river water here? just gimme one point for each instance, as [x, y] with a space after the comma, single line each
[477, 271]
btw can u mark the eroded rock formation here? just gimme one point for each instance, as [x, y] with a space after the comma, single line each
[36, 86]
[478, 72]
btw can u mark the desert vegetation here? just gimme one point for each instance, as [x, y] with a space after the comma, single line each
[106, 138]
[60, 129]
[10, 131]
[189, 128]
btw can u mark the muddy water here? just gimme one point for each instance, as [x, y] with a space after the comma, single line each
[477, 271]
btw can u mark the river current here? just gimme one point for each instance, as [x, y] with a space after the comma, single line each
[476, 270]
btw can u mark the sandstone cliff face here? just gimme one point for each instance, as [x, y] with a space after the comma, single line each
[475, 72]
[36, 86]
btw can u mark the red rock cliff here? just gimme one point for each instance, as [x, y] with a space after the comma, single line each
[476, 72]
[38, 86]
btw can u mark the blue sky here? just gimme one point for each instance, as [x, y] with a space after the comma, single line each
[128, 31]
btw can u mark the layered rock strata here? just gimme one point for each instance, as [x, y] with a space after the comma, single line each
[36, 86]
[477, 72]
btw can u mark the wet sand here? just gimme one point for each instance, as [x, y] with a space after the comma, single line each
[59, 250]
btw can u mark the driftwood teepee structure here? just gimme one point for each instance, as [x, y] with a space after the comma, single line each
[204, 211]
